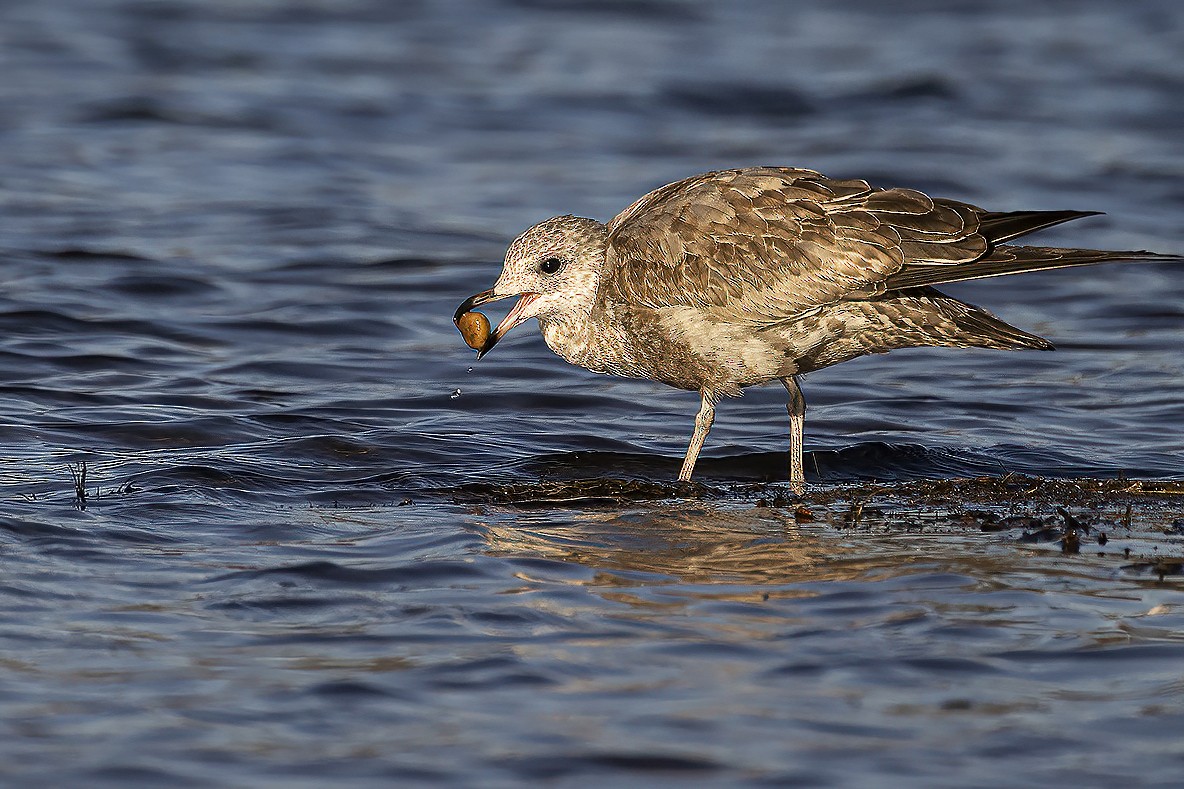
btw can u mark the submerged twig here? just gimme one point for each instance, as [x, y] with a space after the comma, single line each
[1071, 536]
[856, 512]
[78, 474]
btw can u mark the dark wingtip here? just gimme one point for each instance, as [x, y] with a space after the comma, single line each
[1163, 257]
[1000, 227]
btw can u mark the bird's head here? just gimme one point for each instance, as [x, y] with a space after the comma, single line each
[554, 270]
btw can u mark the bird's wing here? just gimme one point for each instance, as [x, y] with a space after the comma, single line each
[764, 244]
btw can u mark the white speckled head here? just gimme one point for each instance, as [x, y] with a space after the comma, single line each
[554, 267]
[560, 260]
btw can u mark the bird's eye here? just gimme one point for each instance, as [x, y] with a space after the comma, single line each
[551, 265]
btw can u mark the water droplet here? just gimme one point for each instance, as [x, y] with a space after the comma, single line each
[455, 394]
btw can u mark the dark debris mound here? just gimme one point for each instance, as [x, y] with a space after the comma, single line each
[580, 493]
[1135, 520]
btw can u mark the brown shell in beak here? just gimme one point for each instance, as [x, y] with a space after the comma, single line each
[475, 329]
[480, 324]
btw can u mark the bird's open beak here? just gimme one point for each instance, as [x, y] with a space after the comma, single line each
[511, 320]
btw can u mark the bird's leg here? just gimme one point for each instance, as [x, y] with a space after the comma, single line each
[797, 428]
[702, 427]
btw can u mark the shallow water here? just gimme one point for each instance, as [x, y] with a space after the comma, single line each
[319, 543]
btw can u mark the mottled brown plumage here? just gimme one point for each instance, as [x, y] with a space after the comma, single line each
[738, 277]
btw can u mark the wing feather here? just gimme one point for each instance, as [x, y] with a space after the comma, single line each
[763, 244]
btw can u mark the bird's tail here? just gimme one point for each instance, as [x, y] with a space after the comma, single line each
[978, 328]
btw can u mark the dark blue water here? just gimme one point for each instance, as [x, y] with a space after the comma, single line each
[320, 545]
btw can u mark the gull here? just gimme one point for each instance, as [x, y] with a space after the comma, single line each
[741, 277]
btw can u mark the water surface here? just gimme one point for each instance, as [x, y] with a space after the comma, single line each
[320, 543]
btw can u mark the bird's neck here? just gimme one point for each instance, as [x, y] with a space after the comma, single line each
[570, 335]
[596, 341]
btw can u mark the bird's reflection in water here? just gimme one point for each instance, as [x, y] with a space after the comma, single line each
[691, 543]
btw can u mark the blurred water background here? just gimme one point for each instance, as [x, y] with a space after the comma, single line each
[320, 544]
